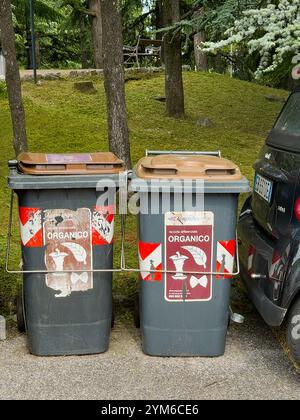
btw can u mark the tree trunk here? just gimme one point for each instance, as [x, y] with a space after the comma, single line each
[159, 24]
[84, 54]
[38, 50]
[173, 62]
[218, 63]
[97, 32]
[13, 77]
[114, 80]
[159, 18]
[199, 38]
[200, 56]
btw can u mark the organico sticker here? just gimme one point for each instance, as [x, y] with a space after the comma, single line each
[68, 242]
[188, 248]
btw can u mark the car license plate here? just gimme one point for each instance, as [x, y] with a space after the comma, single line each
[263, 187]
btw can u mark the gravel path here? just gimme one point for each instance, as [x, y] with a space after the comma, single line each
[254, 367]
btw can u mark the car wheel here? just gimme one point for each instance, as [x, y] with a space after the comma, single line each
[20, 314]
[293, 331]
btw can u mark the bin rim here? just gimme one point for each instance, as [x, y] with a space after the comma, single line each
[141, 185]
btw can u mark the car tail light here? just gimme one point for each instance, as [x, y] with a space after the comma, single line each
[297, 209]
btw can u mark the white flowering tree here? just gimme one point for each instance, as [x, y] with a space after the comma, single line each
[273, 32]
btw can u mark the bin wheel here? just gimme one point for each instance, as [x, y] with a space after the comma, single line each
[293, 331]
[20, 314]
[136, 313]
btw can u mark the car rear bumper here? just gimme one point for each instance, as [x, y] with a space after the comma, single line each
[251, 237]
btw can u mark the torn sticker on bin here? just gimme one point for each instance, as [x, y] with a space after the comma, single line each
[103, 225]
[225, 259]
[150, 258]
[31, 227]
[68, 243]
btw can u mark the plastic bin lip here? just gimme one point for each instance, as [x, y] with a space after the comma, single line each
[189, 186]
[172, 166]
[42, 164]
[18, 181]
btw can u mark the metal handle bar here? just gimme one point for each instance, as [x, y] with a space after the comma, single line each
[138, 270]
[123, 267]
[182, 152]
[197, 273]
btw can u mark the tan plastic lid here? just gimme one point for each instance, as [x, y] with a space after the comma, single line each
[69, 163]
[210, 168]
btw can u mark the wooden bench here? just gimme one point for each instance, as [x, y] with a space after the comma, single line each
[145, 48]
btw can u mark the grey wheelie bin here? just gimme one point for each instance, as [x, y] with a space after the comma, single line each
[187, 247]
[67, 228]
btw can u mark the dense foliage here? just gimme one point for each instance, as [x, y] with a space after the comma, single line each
[272, 31]
[257, 38]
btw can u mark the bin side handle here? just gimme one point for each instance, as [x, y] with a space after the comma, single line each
[122, 268]
[195, 273]
[182, 152]
[14, 271]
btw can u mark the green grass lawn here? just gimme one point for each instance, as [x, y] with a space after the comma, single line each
[60, 119]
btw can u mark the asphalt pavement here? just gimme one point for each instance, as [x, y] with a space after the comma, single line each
[254, 367]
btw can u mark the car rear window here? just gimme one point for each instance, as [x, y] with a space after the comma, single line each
[289, 120]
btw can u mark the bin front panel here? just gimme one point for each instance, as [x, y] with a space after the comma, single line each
[66, 313]
[187, 327]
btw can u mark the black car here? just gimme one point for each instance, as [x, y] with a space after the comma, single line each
[269, 227]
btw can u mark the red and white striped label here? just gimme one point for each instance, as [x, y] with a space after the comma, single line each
[225, 258]
[103, 225]
[150, 257]
[31, 227]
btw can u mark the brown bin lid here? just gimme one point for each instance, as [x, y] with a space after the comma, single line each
[69, 163]
[210, 168]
